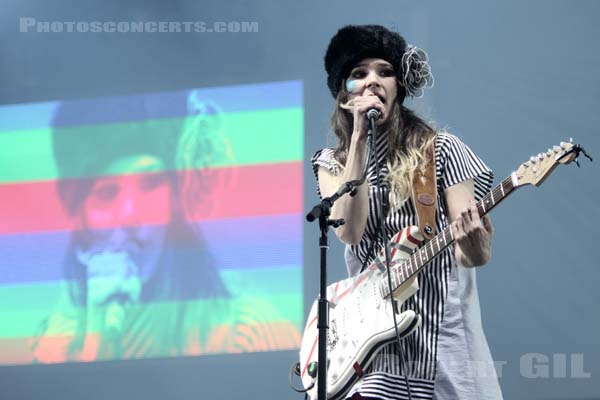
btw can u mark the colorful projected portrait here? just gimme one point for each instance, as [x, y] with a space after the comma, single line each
[167, 230]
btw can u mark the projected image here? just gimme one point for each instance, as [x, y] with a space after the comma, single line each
[154, 225]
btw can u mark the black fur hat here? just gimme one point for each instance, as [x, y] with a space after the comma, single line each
[353, 43]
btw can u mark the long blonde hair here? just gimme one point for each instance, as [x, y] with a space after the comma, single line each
[409, 139]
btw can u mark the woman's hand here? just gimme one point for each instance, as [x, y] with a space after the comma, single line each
[359, 106]
[112, 276]
[473, 236]
[354, 210]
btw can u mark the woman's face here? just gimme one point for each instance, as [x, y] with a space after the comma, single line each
[128, 211]
[374, 76]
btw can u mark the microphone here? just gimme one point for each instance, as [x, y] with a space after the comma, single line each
[373, 114]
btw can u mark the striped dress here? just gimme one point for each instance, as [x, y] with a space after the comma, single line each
[384, 379]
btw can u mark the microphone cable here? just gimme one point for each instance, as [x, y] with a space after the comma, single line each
[386, 249]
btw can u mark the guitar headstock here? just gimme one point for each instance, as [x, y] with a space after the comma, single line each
[535, 170]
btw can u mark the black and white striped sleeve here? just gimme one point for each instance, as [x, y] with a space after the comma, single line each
[325, 158]
[457, 163]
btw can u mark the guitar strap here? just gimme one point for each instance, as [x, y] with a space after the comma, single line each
[425, 200]
[425, 195]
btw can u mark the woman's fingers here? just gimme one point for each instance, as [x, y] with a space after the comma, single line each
[361, 104]
[487, 224]
[471, 218]
[365, 103]
[458, 230]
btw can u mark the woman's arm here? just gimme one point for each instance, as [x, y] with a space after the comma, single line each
[473, 235]
[353, 210]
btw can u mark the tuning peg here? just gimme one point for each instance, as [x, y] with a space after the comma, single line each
[532, 159]
[585, 153]
[556, 149]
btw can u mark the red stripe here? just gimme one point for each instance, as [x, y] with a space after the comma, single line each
[356, 283]
[358, 369]
[345, 292]
[411, 238]
[312, 350]
[249, 191]
[337, 285]
[393, 252]
[312, 322]
[398, 236]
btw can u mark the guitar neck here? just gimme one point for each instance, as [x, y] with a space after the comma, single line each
[435, 246]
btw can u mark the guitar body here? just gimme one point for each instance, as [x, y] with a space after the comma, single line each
[360, 323]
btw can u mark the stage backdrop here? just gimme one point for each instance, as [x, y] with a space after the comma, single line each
[155, 225]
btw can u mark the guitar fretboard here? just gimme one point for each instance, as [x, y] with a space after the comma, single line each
[435, 246]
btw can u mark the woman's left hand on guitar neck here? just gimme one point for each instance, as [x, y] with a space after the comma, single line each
[473, 235]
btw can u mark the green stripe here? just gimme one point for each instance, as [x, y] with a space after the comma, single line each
[275, 308]
[275, 293]
[257, 282]
[258, 137]
[240, 282]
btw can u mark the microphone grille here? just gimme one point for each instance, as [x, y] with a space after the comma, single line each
[373, 113]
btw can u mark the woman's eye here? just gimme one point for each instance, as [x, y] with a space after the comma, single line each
[152, 181]
[387, 72]
[358, 74]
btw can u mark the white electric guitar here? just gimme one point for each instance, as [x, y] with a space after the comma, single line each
[361, 320]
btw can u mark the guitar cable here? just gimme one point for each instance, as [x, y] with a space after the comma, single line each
[295, 370]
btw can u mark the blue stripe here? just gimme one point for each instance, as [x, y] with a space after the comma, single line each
[229, 99]
[243, 243]
[252, 231]
[27, 116]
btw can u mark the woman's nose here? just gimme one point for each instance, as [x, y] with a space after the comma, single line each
[372, 80]
[128, 210]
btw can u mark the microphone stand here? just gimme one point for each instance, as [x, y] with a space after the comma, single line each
[322, 211]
